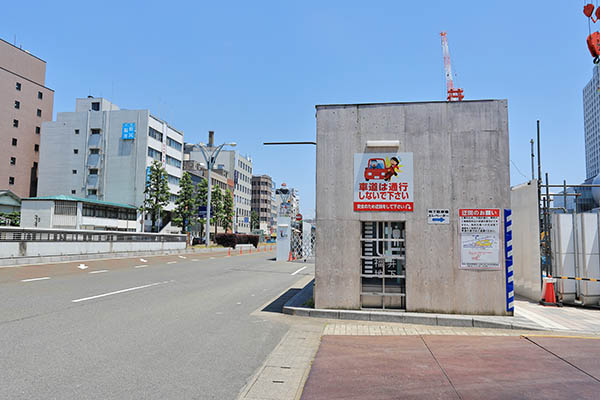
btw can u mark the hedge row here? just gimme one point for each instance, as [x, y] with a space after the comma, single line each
[232, 239]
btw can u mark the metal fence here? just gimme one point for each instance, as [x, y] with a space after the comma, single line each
[11, 234]
[303, 246]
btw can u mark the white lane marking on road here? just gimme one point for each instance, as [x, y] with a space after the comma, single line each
[172, 262]
[181, 257]
[35, 279]
[545, 322]
[118, 291]
[219, 313]
[140, 266]
[82, 266]
[99, 271]
[294, 273]
[238, 303]
[195, 259]
[212, 258]
[142, 260]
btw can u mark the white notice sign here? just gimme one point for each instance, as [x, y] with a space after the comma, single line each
[480, 238]
[438, 216]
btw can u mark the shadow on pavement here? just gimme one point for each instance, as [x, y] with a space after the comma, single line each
[276, 306]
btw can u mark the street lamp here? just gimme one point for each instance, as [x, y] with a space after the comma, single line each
[210, 154]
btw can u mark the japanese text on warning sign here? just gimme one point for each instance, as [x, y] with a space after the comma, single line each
[480, 238]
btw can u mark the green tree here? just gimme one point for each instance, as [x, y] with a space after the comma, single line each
[201, 195]
[156, 193]
[10, 219]
[228, 212]
[186, 207]
[254, 221]
[216, 206]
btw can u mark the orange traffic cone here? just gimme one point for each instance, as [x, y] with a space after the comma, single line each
[548, 294]
[229, 252]
[290, 256]
[240, 251]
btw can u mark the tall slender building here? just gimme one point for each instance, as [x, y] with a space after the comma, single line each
[591, 120]
[24, 104]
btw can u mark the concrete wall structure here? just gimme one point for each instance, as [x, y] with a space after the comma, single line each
[24, 104]
[461, 160]
[526, 240]
[28, 244]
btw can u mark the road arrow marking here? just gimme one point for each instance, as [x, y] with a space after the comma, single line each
[82, 266]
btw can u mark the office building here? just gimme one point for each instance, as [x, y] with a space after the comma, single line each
[24, 104]
[262, 199]
[591, 119]
[103, 152]
[240, 167]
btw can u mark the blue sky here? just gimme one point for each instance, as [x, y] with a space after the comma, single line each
[253, 71]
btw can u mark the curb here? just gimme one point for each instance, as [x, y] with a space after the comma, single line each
[294, 307]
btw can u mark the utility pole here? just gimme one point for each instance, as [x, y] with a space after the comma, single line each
[210, 154]
[532, 161]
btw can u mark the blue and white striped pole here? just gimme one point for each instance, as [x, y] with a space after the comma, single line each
[510, 284]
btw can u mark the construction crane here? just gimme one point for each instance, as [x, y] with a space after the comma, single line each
[593, 39]
[453, 94]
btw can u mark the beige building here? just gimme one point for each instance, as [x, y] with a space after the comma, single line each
[262, 199]
[24, 104]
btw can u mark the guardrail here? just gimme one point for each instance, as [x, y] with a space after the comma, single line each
[15, 234]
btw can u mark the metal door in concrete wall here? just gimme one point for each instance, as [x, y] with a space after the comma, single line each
[576, 254]
[383, 265]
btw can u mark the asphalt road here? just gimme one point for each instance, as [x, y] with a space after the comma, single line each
[155, 328]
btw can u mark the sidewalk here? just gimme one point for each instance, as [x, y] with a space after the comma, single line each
[505, 347]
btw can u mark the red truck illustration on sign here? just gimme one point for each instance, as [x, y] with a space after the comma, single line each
[383, 182]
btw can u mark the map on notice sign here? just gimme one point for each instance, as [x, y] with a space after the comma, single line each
[479, 238]
[383, 182]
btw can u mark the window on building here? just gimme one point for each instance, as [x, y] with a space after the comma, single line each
[74, 172]
[17, 104]
[93, 171]
[15, 123]
[13, 161]
[95, 131]
[39, 112]
[155, 134]
[92, 192]
[77, 131]
[65, 207]
[73, 191]
[155, 154]
[11, 180]
[96, 106]
[36, 147]
[75, 151]
[173, 179]
[40, 95]
[174, 144]
[18, 86]
[14, 141]
[38, 130]
[94, 151]
[173, 161]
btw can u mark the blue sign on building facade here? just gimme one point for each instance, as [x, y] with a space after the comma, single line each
[128, 132]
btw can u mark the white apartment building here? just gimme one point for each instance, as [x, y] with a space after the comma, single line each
[103, 152]
[591, 118]
[240, 168]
